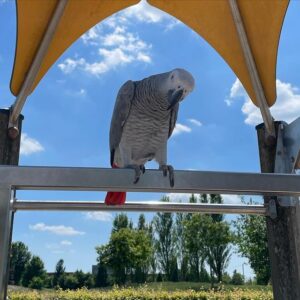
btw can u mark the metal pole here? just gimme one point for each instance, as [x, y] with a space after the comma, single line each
[141, 206]
[255, 79]
[6, 216]
[35, 67]
[9, 155]
[283, 231]
[101, 179]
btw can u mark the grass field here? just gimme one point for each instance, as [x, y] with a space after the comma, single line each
[154, 291]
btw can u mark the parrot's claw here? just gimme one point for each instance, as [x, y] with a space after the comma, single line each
[143, 169]
[138, 170]
[170, 169]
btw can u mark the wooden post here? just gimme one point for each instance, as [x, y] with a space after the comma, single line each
[9, 148]
[9, 155]
[284, 231]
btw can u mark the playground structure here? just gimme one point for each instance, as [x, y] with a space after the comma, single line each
[250, 48]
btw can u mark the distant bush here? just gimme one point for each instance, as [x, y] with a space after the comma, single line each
[237, 278]
[36, 283]
[226, 278]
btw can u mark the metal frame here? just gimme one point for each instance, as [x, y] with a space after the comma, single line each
[149, 206]
[255, 79]
[6, 215]
[14, 178]
[100, 179]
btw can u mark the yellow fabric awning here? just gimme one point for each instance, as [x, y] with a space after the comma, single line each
[212, 19]
[32, 19]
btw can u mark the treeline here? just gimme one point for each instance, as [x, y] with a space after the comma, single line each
[28, 270]
[170, 247]
[182, 247]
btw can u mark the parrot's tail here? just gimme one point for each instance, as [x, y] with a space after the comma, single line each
[115, 198]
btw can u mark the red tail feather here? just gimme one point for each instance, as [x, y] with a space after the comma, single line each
[115, 198]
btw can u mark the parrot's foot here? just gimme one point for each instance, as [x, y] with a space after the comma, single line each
[138, 171]
[170, 169]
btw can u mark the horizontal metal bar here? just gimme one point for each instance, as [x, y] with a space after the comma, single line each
[98, 179]
[140, 206]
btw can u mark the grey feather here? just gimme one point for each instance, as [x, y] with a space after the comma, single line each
[173, 119]
[120, 115]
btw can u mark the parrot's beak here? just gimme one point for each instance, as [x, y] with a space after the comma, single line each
[174, 98]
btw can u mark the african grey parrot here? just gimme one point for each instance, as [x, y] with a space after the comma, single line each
[143, 119]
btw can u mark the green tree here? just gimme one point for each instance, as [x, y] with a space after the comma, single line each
[120, 253]
[179, 245]
[141, 255]
[216, 199]
[36, 283]
[174, 276]
[20, 257]
[128, 252]
[101, 279]
[163, 225]
[237, 278]
[152, 257]
[218, 241]
[218, 249]
[195, 235]
[59, 271]
[81, 278]
[142, 222]
[251, 238]
[69, 282]
[35, 268]
[120, 221]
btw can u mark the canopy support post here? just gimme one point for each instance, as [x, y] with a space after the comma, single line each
[251, 66]
[284, 231]
[6, 221]
[9, 155]
[34, 68]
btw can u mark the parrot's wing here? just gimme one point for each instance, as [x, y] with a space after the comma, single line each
[173, 119]
[120, 115]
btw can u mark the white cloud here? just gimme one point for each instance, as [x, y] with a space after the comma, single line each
[232, 199]
[98, 216]
[286, 107]
[91, 35]
[116, 45]
[111, 59]
[66, 243]
[69, 65]
[175, 197]
[56, 229]
[29, 145]
[116, 48]
[143, 12]
[195, 122]
[180, 128]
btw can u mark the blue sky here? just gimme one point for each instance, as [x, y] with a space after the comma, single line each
[67, 117]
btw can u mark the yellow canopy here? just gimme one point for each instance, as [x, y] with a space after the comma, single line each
[33, 17]
[212, 19]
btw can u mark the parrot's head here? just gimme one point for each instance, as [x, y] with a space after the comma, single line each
[179, 83]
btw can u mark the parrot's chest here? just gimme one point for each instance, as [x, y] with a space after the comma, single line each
[145, 134]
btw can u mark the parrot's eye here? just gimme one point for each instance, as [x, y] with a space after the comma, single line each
[179, 86]
[172, 76]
